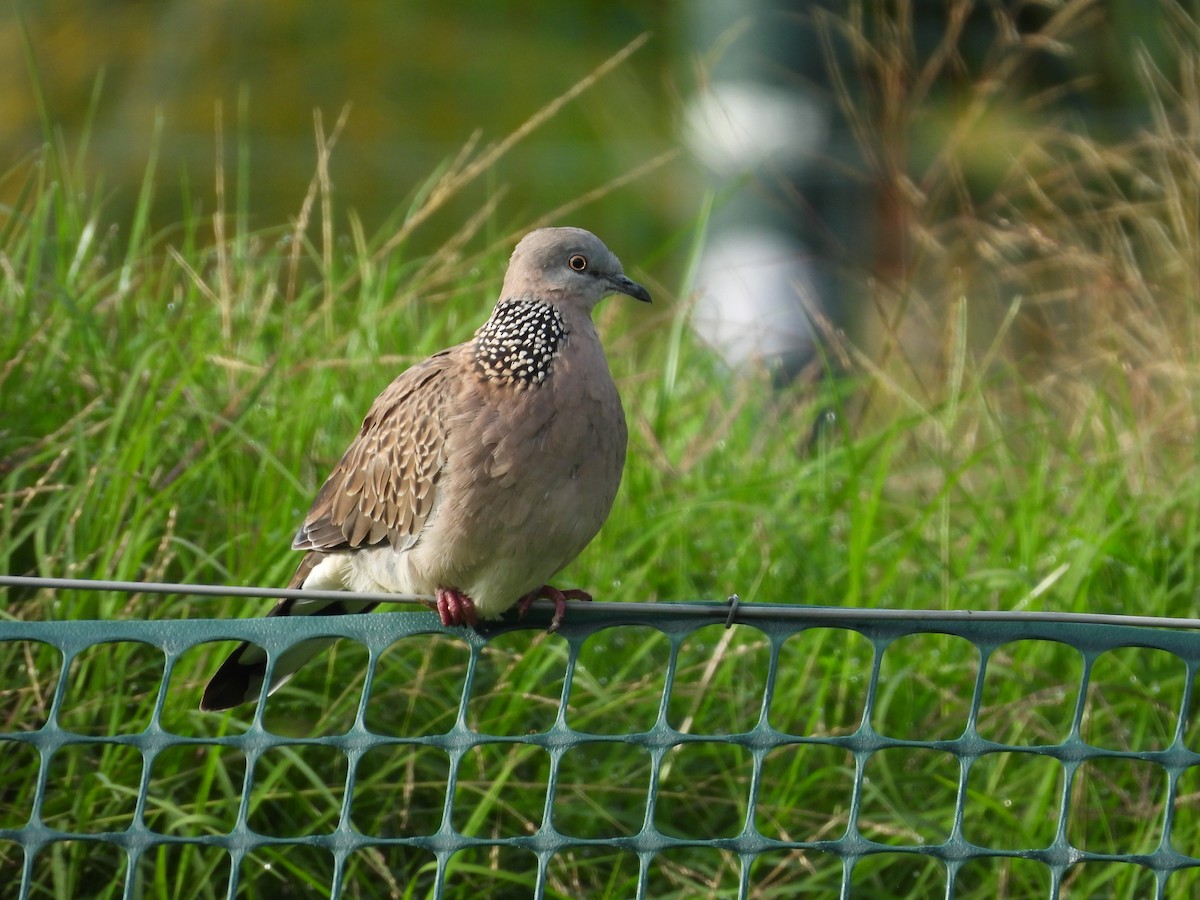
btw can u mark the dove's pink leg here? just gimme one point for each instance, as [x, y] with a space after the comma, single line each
[560, 599]
[454, 607]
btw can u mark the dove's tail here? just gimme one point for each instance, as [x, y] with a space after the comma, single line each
[240, 678]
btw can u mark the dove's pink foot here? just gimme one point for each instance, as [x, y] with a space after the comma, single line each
[560, 598]
[454, 607]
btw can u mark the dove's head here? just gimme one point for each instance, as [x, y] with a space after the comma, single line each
[566, 266]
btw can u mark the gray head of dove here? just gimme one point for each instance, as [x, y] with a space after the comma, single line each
[567, 265]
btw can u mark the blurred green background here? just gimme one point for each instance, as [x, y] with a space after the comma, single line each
[420, 77]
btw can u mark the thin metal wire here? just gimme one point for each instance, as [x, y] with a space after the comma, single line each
[206, 591]
[733, 610]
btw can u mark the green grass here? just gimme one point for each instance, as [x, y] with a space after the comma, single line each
[170, 400]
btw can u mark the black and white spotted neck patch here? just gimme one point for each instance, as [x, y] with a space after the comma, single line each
[518, 344]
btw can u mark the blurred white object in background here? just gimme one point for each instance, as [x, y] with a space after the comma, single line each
[738, 126]
[754, 279]
[751, 289]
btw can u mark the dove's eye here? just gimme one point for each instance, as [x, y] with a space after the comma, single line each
[578, 263]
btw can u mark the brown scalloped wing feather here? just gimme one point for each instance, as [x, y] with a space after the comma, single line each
[386, 483]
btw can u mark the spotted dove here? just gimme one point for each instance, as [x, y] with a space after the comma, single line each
[477, 474]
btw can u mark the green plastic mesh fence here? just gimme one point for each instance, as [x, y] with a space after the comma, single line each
[675, 750]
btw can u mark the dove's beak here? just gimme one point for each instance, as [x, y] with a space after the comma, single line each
[623, 285]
